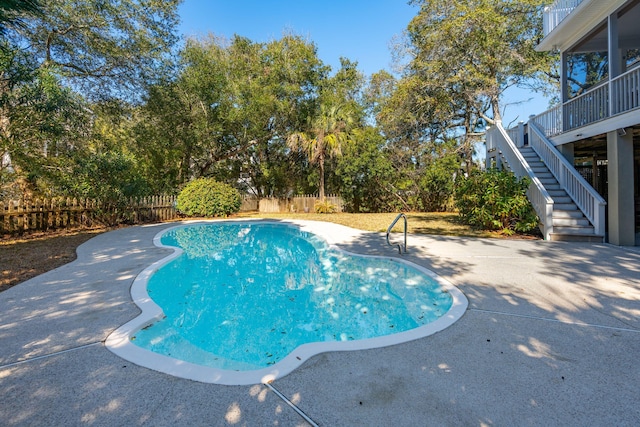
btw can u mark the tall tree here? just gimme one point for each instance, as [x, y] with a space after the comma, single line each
[326, 134]
[103, 47]
[474, 50]
[229, 110]
[366, 173]
[74, 52]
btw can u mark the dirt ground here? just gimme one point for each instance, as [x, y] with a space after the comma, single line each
[22, 258]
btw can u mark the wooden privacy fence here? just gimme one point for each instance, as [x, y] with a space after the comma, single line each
[300, 204]
[249, 204]
[18, 216]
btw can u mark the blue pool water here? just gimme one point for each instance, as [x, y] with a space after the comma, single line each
[242, 296]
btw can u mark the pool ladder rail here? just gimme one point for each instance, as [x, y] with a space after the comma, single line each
[400, 246]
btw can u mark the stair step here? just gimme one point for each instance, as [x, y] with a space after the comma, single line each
[533, 159]
[571, 222]
[565, 229]
[544, 175]
[539, 167]
[562, 199]
[587, 238]
[565, 206]
[548, 181]
[558, 213]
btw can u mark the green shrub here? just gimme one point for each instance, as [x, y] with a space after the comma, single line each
[113, 179]
[496, 200]
[209, 198]
[325, 207]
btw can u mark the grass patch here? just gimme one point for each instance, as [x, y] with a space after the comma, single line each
[437, 223]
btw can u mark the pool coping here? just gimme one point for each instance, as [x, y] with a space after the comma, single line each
[119, 342]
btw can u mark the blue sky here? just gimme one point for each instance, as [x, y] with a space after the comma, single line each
[361, 30]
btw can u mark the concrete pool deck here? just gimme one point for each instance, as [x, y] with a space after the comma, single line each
[551, 336]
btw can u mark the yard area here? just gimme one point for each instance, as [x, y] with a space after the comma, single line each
[551, 330]
[24, 257]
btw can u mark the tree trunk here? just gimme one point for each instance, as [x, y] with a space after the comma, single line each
[321, 186]
[495, 106]
[5, 134]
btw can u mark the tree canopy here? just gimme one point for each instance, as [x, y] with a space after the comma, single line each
[12, 12]
[57, 60]
[100, 98]
[466, 53]
[104, 48]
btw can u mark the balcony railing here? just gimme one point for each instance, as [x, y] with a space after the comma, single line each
[625, 92]
[587, 108]
[554, 14]
[618, 96]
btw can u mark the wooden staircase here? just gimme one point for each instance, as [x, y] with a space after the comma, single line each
[569, 223]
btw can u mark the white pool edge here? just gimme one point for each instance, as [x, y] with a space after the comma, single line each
[119, 342]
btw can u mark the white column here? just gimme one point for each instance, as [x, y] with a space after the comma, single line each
[564, 78]
[614, 56]
[614, 53]
[621, 201]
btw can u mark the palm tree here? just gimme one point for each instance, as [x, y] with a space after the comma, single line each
[327, 132]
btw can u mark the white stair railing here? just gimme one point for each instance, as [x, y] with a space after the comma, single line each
[584, 195]
[550, 121]
[540, 199]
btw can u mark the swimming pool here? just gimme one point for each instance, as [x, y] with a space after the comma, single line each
[265, 296]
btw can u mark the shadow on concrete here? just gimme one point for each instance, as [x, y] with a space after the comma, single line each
[551, 336]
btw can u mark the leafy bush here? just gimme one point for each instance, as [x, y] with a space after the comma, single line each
[325, 207]
[109, 177]
[437, 183]
[112, 178]
[496, 200]
[209, 198]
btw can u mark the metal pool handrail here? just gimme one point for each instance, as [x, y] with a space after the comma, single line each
[400, 215]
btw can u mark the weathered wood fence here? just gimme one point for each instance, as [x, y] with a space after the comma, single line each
[299, 204]
[19, 216]
[249, 204]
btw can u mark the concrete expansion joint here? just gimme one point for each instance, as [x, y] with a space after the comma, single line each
[291, 404]
[44, 356]
[565, 322]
